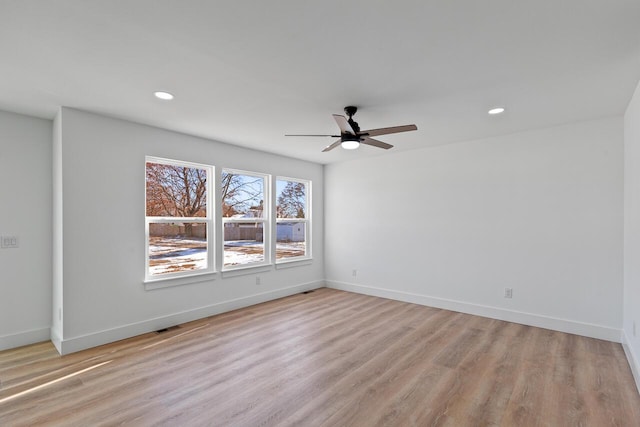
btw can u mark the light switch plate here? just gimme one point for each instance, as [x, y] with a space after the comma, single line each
[9, 242]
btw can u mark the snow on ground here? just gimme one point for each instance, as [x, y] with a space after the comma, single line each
[289, 249]
[237, 252]
[172, 255]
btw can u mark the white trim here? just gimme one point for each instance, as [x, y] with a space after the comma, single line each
[546, 322]
[24, 338]
[168, 282]
[56, 340]
[632, 358]
[293, 262]
[247, 266]
[246, 269]
[83, 342]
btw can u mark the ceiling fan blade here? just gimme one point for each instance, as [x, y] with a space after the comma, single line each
[332, 146]
[386, 131]
[333, 136]
[370, 141]
[343, 124]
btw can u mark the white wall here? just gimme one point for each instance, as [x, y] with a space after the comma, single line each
[452, 226]
[25, 212]
[102, 231]
[632, 234]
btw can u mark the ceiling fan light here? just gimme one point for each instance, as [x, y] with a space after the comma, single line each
[350, 144]
[165, 96]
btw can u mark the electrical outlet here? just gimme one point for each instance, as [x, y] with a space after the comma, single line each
[258, 281]
[508, 292]
[354, 273]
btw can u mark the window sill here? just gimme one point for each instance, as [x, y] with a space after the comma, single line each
[242, 271]
[291, 263]
[168, 282]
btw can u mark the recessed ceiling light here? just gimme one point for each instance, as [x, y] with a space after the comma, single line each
[163, 95]
[497, 110]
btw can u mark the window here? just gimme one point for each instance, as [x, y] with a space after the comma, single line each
[245, 218]
[292, 219]
[178, 219]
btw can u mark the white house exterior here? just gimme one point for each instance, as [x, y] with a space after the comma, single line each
[290, 232]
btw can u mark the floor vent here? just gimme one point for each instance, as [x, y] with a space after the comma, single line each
[170, 328]
[307, 292]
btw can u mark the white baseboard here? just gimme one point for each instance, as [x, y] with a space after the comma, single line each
[24, 338]
[56, 340]
[561, 325]
[71, 345]
[632, 358]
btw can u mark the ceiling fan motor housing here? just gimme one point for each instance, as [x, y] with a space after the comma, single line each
[350, 110]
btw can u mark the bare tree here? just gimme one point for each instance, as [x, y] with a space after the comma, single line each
[176, 191]
[240, 194]
[292, 201]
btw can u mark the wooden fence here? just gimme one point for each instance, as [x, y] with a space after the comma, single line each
[198, 230]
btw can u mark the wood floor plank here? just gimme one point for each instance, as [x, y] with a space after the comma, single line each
[326, 366]
[327, 358]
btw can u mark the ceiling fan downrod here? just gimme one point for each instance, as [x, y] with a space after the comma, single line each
[350, 111]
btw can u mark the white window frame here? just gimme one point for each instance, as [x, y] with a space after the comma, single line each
[307, 221]
[265, 220]
[208, 220]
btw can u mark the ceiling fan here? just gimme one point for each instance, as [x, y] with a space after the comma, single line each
[351, 136]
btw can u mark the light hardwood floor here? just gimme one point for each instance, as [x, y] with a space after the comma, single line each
[326, 358]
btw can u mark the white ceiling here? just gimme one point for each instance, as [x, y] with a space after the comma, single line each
[247, 72]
